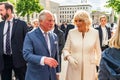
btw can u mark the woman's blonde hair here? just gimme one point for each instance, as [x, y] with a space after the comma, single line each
[83, 15]
[115, 40]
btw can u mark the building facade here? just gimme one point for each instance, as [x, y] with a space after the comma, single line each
[62, 13]
[66, 12]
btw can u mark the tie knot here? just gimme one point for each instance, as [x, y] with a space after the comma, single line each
[8, 25]
[8, 21]
[45, 33]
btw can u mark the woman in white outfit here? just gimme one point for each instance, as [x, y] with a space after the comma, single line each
[82, 49]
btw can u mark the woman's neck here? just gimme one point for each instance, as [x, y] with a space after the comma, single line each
[83, 30]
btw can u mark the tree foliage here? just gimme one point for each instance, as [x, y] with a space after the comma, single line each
[3, 0]
[114, 4]
[12, 1]
[27, 7]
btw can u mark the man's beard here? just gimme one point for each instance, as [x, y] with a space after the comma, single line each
[5, 17]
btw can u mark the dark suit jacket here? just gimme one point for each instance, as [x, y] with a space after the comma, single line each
[66, 30]
[19, 30]
[61, 41]
[101, 34]
[61, 38]
[110, 65]
[35, 47]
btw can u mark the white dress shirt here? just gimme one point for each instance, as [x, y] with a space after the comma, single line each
[105, 36]
[5, 34]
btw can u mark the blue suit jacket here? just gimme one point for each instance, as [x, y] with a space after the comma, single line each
[110, 65]
[34, 49]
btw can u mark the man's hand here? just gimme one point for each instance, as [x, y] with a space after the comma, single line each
[50, 62]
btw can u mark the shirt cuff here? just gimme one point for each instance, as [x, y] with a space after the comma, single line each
[42, 61]
[57, 73]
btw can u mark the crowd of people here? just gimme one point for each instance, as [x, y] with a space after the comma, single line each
[33, 50]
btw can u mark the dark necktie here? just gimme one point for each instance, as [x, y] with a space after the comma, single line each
[8, 49]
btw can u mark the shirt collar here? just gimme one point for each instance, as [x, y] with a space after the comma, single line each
[11, 20]
[52, 29]
[42, 30]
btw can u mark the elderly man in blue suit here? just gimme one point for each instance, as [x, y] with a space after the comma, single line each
[40, 50]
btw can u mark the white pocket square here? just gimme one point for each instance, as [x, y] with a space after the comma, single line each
[56, 42]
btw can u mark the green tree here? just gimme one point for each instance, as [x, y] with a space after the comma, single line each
[27, 7]
[3, 0]
[114, 4]
[12, 1]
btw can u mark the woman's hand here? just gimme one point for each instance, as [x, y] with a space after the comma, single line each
[72, 61]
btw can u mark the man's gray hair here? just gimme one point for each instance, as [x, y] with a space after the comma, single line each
[43, 13]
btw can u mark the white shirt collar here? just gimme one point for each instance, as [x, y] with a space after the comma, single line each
[11, 20]
[42, 30]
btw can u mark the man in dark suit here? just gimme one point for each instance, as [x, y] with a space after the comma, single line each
[12, 33]
[65, 28]
[61, 40]
[40, 50]
[104, 32]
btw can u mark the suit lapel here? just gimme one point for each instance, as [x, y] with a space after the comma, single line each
[41, 37]
[100, 30]
[51, 42]
[2, 28]
[101, 33]
[14, 27]
[1, 34]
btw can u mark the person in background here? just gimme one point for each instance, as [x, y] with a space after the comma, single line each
[40, 50]
[65, 28]
[30, 27]
[82, 49]
[104, 32]
[61, 40]
[109, 68]
[35, 23]
[12, 33]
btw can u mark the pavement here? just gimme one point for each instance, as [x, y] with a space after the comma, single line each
[63, 69]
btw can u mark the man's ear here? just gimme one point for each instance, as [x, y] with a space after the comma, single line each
[9, 11]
